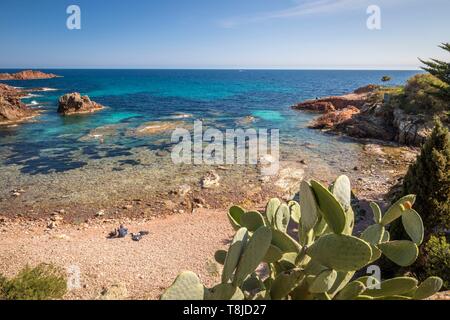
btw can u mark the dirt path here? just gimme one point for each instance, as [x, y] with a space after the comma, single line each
[176, 243]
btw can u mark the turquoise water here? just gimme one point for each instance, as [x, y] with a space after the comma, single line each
[219, 97]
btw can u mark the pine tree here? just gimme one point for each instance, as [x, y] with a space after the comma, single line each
[441, 70]
[429, 179]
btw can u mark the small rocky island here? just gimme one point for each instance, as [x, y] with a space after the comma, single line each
[27, 75]
[12, 109]
[74, 103]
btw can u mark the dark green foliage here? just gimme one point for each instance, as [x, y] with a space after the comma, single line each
[441, 70]
[429, 179]
[420, 96]
[44, 282]
[386, 79]
[437, 252]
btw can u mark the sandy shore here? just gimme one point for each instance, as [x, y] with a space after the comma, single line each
[145, 268]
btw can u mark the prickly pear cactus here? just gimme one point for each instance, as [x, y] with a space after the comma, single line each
[308, 251]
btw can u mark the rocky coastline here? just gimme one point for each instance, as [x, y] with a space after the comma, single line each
[367, 114]
[27, 75]
[12, 109]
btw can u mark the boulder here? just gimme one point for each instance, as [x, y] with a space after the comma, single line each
[74, 103]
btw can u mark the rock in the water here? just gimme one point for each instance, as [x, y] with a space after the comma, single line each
[27, 75]
[74, 103]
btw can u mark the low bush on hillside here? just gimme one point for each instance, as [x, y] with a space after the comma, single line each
[44, 282]
[420, 96]
[437, 252]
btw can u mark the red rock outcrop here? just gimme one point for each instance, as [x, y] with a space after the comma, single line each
[74, 103]
[11, 108]
[27, 75]
[330, 119]
[333, 103]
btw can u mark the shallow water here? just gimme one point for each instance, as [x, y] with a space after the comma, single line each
[55, 145]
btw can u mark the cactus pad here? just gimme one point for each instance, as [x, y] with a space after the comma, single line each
[340, 252]
[271, 209]
[404, 253]
[187, 286]
[377, 215]
[252, 221]
[224, 292]
[308, 203]
[285, 282]
[331, 209]
[351, 291]
[373, 234]
[295, 210]
[253, 255]
[234, 254]
[393, 287]
[397, 209]
[413, 224]
[428, 288]
[282, 217]
[342, 190]
[234, 216]
[323, 282]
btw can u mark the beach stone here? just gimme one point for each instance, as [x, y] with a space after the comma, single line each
[117, 291]
[184, 189]
[210, 180]
[100, 213]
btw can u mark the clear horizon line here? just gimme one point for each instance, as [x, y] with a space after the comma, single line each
[222, 68]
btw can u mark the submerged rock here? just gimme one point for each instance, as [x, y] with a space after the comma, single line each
[157, 127]
[74, 103]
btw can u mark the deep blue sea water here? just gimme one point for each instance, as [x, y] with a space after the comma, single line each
[133, 97]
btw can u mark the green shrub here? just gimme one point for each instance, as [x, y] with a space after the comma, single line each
[437, 251]
[441, 70]
[429, 179]
[44, 282]
[419, 96]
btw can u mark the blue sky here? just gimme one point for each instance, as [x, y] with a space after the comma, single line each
[287, 34]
